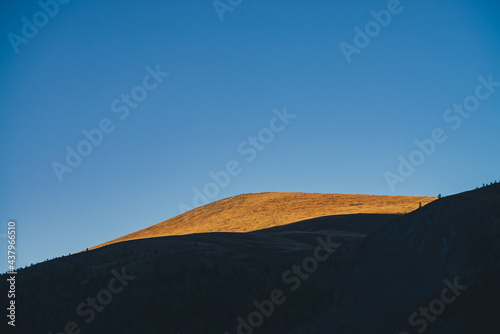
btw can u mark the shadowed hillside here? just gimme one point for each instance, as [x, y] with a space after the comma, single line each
[250, 212]
[400, 271]
[198, 283]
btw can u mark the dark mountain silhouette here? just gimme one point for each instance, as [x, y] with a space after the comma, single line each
[376, 271]
[402, 266]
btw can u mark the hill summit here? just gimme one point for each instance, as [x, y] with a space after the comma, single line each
[257, 211]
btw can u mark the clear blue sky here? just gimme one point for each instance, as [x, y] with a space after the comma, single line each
[353, 120]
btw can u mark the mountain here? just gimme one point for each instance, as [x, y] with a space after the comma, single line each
[251, 212]
[434, 270]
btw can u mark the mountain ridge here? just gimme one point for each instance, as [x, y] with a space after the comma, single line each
[257, 211]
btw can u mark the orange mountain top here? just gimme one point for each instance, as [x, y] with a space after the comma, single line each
[251, 212]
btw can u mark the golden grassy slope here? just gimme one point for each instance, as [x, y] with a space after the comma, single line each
[251, 212]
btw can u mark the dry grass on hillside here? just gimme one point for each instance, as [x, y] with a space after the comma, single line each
[251, 212]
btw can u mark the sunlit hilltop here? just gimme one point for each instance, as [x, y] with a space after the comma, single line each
[256, 211]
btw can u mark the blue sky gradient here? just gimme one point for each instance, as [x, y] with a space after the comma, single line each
[353, 120]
